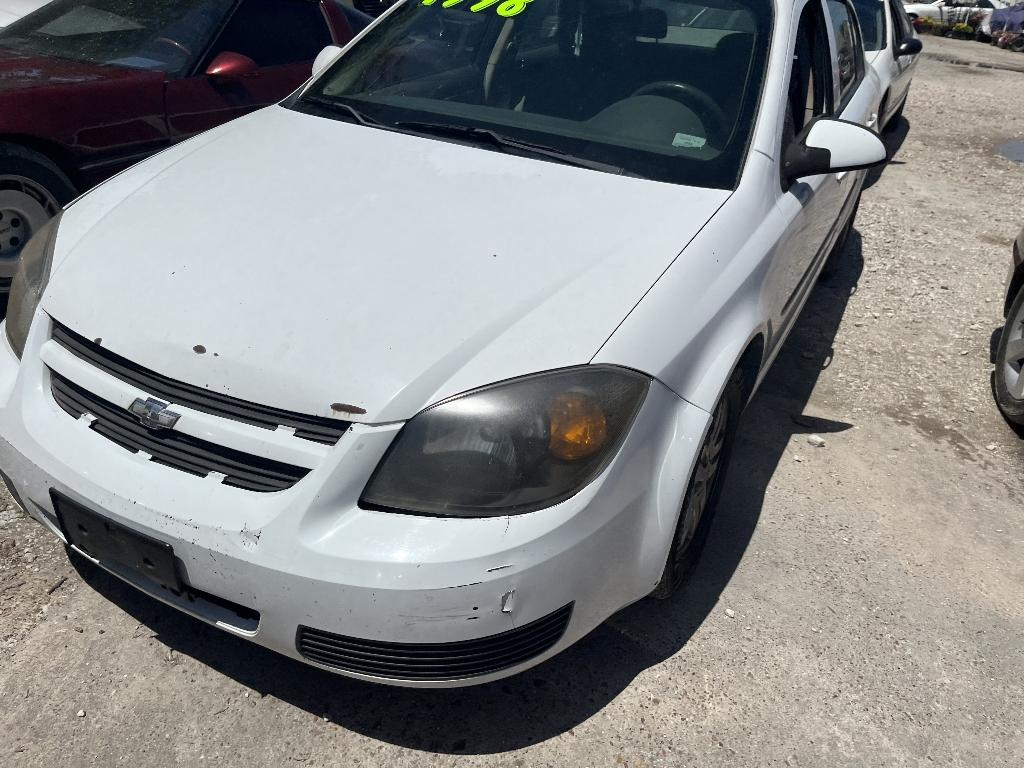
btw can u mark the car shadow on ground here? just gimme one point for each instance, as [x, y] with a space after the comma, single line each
[575, 685]
[893, 137]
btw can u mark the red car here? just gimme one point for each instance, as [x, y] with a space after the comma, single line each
[88, 87]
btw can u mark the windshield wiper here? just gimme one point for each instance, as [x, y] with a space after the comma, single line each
[495, 139]
[343, 108]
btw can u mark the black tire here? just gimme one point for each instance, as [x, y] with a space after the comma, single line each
[881, 112]
[690, 535]
[39, 183]
[895, 119]
[1010, 402]
[832, 261]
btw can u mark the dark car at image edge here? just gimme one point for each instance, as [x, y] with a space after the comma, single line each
[90, 87]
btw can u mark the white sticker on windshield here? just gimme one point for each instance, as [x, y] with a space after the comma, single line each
[686, 140]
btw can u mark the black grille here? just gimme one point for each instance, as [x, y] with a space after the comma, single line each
[174, 449]
[435, 661]
[372, 7]
[320, 430]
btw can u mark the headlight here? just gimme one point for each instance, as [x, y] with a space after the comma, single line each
[509, 448]
[29, 283]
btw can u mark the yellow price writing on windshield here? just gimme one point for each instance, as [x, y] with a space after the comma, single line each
[506, 8]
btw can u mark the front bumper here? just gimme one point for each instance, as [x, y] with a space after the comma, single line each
[310, 557]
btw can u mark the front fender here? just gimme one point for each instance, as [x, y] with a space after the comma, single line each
[693, 326]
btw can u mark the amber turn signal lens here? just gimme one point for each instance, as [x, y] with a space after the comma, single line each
[577, 426]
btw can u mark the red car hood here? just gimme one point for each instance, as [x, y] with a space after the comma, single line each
[20, 71]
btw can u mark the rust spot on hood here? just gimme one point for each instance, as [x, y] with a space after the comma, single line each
[199, 349]
[346, 408]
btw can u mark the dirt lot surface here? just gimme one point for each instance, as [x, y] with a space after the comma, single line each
[860, 603]
[971, 55]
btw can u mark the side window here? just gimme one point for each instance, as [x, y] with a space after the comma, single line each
[849, 48]
[901, 29]
[275, 32]
[810, 84]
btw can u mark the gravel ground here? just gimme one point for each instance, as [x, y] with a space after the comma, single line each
[859, 603]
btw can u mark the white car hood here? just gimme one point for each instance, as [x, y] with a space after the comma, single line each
[313, 262]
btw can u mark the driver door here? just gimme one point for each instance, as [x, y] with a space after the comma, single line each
[281, 36]
[809, 206]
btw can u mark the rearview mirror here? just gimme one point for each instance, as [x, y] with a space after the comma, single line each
[910, 47]
[832, 146]
[229, 65]
[325, 57]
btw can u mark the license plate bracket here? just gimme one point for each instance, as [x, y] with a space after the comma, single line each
[114, 544]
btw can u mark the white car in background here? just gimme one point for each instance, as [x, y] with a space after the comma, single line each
[12, 10]
[891, 46]
[487, 398]
[951, 11]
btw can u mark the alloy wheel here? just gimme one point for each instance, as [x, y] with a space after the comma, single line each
[1013, 355]
[705, 474]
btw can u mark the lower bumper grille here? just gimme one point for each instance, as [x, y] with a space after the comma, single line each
[174, 449]
[435, 661]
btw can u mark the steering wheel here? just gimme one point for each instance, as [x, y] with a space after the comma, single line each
[174, 44]
[694, 98]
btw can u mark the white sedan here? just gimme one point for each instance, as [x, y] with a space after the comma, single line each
[423, 374]
[892, 46]
[951, 11]
[12, 10]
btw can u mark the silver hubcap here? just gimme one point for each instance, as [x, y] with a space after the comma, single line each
[705, 473]
[25, 206]
[1013, 358]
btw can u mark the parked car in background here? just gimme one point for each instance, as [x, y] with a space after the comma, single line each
[426, 372]
[88, 87]
[1008, 377]
[12, 10]
[1004, 20]
[950, 10]
[891, 45]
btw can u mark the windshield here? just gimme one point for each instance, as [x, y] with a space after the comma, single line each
[164, 35]
[871, 15]
[661, 89]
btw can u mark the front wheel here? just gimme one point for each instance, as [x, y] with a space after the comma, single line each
[702, 494]
[895, 119]
[1008, 379]
[32, 190]
[832, 260]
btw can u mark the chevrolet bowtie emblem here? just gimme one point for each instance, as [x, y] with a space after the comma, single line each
[153, 414]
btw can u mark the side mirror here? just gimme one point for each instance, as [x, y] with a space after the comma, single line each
[832, 146]
[910, 47]
[325, 57]
[229, 65]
